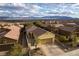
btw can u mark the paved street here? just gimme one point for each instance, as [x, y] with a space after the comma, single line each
[51, 50]
[3, 53]
[72, 53]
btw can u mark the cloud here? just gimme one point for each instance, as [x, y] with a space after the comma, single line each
[38, 10]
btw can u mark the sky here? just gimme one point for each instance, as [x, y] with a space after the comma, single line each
[39, 9]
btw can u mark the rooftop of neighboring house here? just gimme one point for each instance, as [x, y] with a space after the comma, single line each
[68, 29]
[70, 24]
[58, 25]
[13, 33]
[51, 23]
[3, 31]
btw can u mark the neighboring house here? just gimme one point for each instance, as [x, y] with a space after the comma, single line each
[66, 30]
[14, 33]
[69, 35]
[40, 36]
[54, 27]
[5, 43]
[71, 24]
[57, 25]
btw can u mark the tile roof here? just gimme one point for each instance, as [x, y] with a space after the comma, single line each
[68, 29]
[39, 31]
[36, 30]
[14, 33]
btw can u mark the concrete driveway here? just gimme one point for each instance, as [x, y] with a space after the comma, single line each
[51, 50]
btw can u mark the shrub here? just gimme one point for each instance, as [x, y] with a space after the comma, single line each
[75, 41]
[62, 38]
[16, 50]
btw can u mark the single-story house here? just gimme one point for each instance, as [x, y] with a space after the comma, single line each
[9, 38]
[69, 35]
[66, 30]
[40, 35]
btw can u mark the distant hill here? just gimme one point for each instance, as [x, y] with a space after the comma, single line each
[57, 17]
[36, 18]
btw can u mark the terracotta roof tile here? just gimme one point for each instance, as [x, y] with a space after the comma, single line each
[14, 33]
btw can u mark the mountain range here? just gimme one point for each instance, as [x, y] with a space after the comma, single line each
[35, 18]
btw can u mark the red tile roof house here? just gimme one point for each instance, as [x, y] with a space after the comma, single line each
[10, 37]
[18, 35]
[14, 36]
[14, 33]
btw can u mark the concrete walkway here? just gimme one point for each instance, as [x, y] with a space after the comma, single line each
[51, 50]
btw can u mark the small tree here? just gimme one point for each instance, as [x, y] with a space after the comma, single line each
[62, 38]
[16, 50]
[74, 42]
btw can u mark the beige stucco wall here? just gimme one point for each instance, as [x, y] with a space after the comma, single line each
[46, 38]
